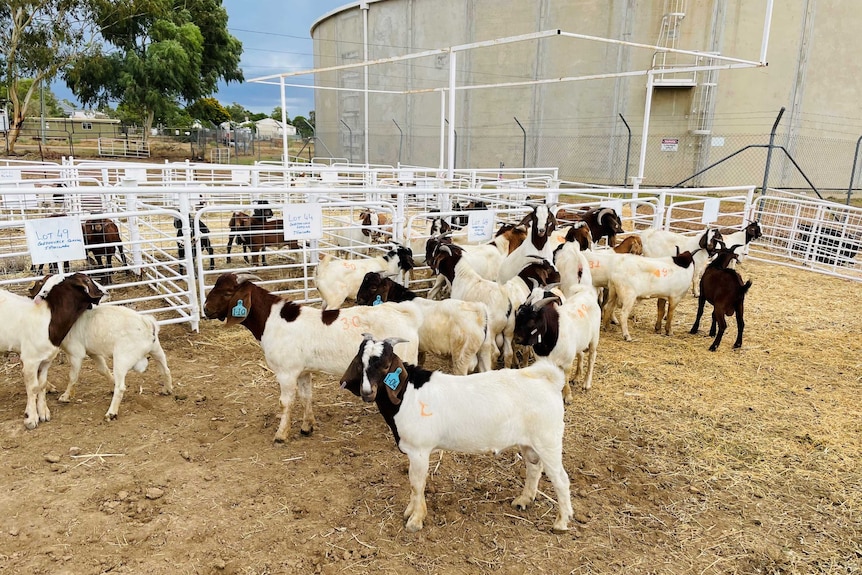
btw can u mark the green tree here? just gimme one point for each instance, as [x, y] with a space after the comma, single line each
[276, 115]
[38, 39]
[209, 110]
[257, 116]
[238, 113]
[156, 54]
[304, 126]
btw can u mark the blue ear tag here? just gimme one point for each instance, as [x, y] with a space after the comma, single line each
[377, 301]
[393, 379]
[239, 310]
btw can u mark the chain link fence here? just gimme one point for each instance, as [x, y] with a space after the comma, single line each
[731, 160]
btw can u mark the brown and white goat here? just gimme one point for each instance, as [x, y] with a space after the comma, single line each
[604, 222]
[476, 413]
[724, 289]
[36, 328]
[540, 224]
[298, 340]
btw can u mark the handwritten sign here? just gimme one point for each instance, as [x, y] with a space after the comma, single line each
[303, 222]
[710, 210]
[480, 226]
[53, 240]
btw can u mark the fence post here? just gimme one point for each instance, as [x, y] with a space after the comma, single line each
[131, 185]
[853, 170]
[769, 152]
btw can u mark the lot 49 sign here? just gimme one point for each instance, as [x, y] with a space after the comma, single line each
[54, 240]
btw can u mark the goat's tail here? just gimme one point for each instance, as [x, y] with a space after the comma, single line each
[745, 287]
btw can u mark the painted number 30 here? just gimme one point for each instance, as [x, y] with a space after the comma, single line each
[661, 273]
[347, 323]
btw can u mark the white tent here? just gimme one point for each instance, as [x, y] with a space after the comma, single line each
[268, 129]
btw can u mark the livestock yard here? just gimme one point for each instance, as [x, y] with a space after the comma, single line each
[681, 461]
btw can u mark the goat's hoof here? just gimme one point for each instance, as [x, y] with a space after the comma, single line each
[413, 526]
[31, 423]
[713, 348]
[65, 398]
[279, 440]
[560, 528]
[110, 416]
[737, 345]
[521, 503]
[693, 332]
[307, 432]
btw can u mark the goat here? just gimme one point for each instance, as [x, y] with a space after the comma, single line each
[723, 288]
[111, 331]
[742, 237]
[337, 279]
[454, 328]
[485, 259]
[35, 329]
[299, 339]
[102, 239]
[578, 232]
[263, 233]
[481, 412]
[638, 277]
[540, 224]
[604, 222]
[206, 244]
[239, 222]
[561, 331]
[662, 243]
[461, 220]
[468, 285]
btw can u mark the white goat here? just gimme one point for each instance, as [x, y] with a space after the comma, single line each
[35, 328]
[450, 327]
[742, 237]
[662, 243]
[298, 340]
[638, 277]
[337, 279]
[473, 413]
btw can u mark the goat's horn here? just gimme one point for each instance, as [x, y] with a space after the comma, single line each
[242, 278]
[543, 302]
[733, 249]
[393, 341]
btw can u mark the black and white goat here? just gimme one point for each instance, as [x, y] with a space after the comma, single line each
[36, 328]
[664, 244]
[540, 224]
[206, 244]
[603, 222]
[476, 413]
[298, 340]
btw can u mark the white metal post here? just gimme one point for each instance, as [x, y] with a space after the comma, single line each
[442, 128]
[284, 160]
[645, 130]
[451, 161]
[364, 7]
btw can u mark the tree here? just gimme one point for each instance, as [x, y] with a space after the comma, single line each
[276, 115]
[304, 127]
[209, 110]
[156, 54]
[38, 38]
[238, 113]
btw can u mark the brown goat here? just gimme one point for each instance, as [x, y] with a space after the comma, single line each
[261, 233]
[102, 239]
[238, 224]
[603, 222]
[724, 289]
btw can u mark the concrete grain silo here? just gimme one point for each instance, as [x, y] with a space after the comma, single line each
[579, 125]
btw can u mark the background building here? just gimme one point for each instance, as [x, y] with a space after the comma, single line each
[696, 119]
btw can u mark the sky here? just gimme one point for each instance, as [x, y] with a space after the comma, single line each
[276, 37]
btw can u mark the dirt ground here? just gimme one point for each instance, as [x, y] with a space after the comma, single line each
[681, 461]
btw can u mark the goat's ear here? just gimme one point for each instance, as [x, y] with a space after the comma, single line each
[396, 372]
[240, 304]
[352, 377]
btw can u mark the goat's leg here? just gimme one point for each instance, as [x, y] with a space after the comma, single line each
[531, 483]
[229, 244]
[740, 326]
[671, 307]
[75, 361]
[122, 366]
[158, 354]
[660, 303]
[701, 302]
[718, 318]
[608, 307]
[31, 384]
[41, 398]
[305, 388]
[626, 311]
[591, 363]
[417, 508]
[552, 459]
[287, 384]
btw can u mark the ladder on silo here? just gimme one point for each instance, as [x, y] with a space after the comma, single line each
[668, 37]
